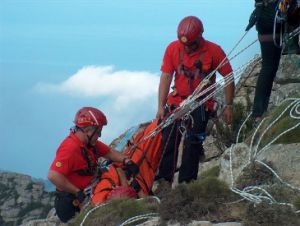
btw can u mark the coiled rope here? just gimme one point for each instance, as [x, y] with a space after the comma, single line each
[257, 194]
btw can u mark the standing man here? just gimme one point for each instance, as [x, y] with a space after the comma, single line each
[268, 30]
[75, 164]
[189, 59]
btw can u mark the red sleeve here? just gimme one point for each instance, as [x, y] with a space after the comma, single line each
[167, 64]
[219, 55]
[65, 160]
[102, 148]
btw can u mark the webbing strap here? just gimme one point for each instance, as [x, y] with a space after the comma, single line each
[91, 168]
[188, 73]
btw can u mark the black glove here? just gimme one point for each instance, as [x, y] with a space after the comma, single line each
[131, 169]
[135, 185]
[252, 20]
[254, 17]
[80, 196]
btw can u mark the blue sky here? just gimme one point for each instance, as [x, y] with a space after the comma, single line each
[58, 56]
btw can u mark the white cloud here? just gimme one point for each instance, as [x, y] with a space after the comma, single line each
[126, 97]
[121, 87]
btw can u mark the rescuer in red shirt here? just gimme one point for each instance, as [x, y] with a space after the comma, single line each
[188, 60]
[75, 164]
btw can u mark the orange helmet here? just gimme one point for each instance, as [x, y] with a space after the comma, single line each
[189, 30]
[89, 116]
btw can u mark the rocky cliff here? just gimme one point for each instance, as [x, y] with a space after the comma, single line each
[22, 199]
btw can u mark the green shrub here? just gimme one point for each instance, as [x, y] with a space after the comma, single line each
[265, 214]
[282, 193]
[212, 172]
[281, 125]
[227, 134]
[204, 199]
[255, 174]
[116, 212]
[296, 202]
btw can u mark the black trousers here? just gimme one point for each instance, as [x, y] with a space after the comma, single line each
[270, 61]
[64, 207]
[192, 150]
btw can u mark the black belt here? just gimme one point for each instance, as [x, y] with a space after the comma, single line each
[63, 194]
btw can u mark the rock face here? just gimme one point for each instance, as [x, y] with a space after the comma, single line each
[283, 158]
[21, 199]
[286, 83]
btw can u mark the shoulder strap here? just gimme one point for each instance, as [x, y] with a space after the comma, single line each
[91, 168]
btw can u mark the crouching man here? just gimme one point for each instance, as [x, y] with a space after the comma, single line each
[75, 163]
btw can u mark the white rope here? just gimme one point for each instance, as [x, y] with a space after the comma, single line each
[104, 204]
[241, 127]
[277, 176]
[152, 197]
[187, 106]
[260, 193]
[292, 34]
[142, 216]
[90, 211]
[197, 92]
[137, 218]
[252, 139]
[296, 102]
[206, 81]
[271, 124]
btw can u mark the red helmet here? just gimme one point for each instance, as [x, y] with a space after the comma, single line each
[88, 116]
[189, 29]
[122, 192]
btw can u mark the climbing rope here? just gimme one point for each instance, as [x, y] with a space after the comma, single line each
[138, 218]
[189, 104]
[292, 34]
[292, 105]
[257, 194]
[104, 204]
[91, 211]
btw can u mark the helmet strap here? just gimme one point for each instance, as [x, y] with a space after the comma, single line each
[90, 137]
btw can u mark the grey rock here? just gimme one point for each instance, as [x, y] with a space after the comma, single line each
[22, 193]
[228, 224]
[284, 158]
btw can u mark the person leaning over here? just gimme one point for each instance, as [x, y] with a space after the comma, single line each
[75, 163]
[189, 60]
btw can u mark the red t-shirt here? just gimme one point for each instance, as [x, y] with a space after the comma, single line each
[69, 159]
[210, 55]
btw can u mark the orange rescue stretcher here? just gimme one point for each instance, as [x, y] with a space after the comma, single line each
[146, 153]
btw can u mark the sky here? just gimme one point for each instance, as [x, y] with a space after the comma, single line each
[60, 55]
